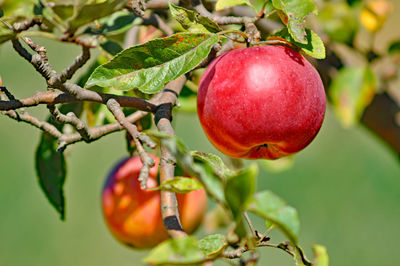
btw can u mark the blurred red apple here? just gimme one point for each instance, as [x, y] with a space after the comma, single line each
[133, 215]
[261, 102]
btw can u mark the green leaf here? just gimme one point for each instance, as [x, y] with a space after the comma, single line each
[192, 165]
[180, 184]
[351, 91]
[213, 245]
[5, 34]
[313, 46]
[213, 183]
[63, 11]
[150, 66]
[192, 21]
[240, 188]
[394, 47]
[111, 47]
[296, 11]
[272, 208]
[117, 23]
[50, 164]
[16, 10]
[258, 4]
[90, 12]
[181, 251]
[51, 171]
[321, 257]
[222, 4]
[1, 12]
[215, 162]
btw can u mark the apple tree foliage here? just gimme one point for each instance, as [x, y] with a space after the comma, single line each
[143, 45]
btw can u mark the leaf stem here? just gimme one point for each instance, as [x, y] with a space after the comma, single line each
[235, 32]
[39, 34]
[253, 230]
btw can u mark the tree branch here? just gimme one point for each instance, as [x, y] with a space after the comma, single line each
[222, 20]
[51, 97]
[169, 206]
[27, 118]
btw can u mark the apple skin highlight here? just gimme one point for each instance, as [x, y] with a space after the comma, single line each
[261, 102]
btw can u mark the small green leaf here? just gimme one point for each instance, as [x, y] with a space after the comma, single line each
[212, 245]
[296, 11]
[51, 171]
[192, 165]
[50, 164]
[63, 11]
[111, 47]
[313, 46]
[117, 23]
[240, 188]
[272, 208]
[181, 184]
[88, 13]
[183, 251]
[215, 162]
[258, 4]
[1, 12]
[321, 257]
[351, 91]
[222, 4]
[192, 21]
[213, 183]
[5, 34]
[150, 66]
[394, 47]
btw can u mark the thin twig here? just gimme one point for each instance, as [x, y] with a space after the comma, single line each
[138, 137]
[253, 230]
[35, 60]
[71, 119]
[25, 25]
[98, 131]
[78, 63]
[221, 20]
[26, 117]
[41, 50]
[238, 252]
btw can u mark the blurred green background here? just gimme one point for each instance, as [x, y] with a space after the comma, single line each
[345, 185]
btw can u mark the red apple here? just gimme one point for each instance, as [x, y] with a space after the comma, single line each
[261, 102]
[133, 215]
